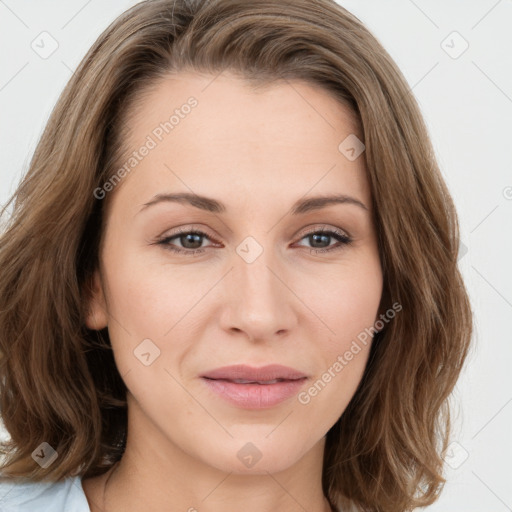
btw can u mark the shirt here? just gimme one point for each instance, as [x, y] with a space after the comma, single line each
[28, 496]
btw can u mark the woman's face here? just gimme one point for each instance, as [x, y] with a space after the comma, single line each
[260, 285]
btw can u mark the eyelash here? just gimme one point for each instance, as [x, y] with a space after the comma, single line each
[343, 240]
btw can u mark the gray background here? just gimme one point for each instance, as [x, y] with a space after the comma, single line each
[466, 98]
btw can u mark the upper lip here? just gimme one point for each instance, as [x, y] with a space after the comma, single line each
[263, 373]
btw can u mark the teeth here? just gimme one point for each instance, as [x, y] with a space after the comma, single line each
[243, 381]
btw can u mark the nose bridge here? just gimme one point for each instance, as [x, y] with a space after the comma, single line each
[254, 280]
[259, 299]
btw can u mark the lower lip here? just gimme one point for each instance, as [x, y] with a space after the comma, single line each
[255, 396]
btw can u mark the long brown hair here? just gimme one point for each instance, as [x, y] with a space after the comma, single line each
[58, 380]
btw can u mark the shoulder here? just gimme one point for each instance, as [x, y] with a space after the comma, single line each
[21, 495]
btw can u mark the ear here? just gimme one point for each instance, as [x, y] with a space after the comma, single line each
[96, 317]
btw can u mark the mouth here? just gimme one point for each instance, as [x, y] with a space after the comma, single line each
[261, 382]
[265, 374]
[255, 388]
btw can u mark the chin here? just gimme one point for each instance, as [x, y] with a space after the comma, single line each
[257, 454]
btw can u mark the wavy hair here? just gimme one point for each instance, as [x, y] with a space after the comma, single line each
[58, 380]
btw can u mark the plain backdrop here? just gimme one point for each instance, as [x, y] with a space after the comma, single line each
[457, 59]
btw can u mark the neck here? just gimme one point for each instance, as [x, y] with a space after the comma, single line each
[124, 486]
[155, 474]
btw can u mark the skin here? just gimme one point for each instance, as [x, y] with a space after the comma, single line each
[256, 151]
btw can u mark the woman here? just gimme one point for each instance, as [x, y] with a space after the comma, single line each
[231, 273]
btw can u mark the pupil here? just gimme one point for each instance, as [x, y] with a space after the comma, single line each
[316, 238]
[191, 236]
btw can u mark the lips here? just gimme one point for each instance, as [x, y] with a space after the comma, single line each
[254, 388]
[244, 374]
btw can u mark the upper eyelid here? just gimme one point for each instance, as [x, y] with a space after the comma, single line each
[324, 228]
[302, 234]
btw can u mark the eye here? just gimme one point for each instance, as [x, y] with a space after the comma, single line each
[320, 240]
[191, 241]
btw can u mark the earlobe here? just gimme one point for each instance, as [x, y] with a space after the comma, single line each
[96, 317]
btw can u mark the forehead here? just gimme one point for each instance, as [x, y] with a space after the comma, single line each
[212, 133]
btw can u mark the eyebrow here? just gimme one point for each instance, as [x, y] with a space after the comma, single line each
[211, 205]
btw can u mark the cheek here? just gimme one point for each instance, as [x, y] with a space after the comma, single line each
[343, 352]
[347, 303]
[143, 307]
[348, 307]
[156, 316]
[144, 298]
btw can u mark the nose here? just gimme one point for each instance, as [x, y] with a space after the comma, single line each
[258, 298]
